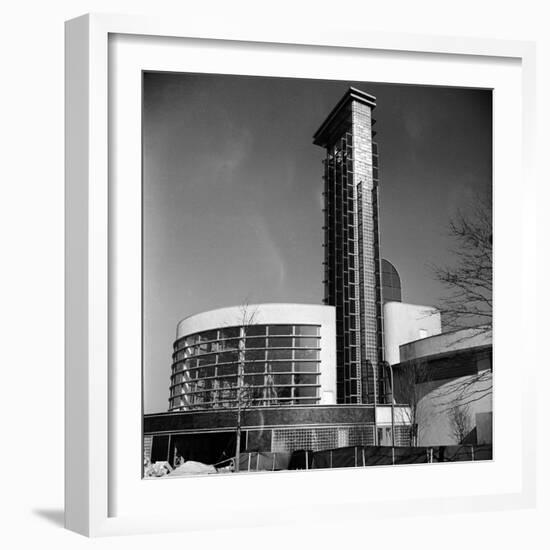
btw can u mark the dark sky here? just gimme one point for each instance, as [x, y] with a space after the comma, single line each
[232, 192]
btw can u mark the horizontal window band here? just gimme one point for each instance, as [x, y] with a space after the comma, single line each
[236, 387]
[260, 373]
[184, 350]
[248, 327]
[202, 355]
[252, 361]
[202, 404]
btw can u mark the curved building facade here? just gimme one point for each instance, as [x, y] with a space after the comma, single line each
[454, 373]
[285, 354]
[276, 364]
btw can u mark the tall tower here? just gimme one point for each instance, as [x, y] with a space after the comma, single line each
[352, 260]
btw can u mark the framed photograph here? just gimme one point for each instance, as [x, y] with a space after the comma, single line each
[282, 279]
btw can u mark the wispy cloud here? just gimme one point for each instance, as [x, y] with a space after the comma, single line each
[232, 154]
[271, 250]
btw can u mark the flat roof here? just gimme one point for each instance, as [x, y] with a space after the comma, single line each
[340, 112]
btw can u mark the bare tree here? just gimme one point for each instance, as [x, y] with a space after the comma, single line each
[408, 389]
[465, 390]
[459, 418]
[245, 395]
[469, 280]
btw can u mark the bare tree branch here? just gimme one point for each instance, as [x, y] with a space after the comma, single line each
[459, 417]
[408, 390]
[469, 280]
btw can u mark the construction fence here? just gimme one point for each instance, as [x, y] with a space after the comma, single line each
[361, 456]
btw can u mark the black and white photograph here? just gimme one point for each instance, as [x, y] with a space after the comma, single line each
[268, 256]
[317, 274]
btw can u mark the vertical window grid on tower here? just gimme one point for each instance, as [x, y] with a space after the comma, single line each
[378, 259]
[352, 258]
[341, 273]
[368, 248]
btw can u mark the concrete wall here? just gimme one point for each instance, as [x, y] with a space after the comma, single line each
[403, 323]
[447, 342]
[292, 314]
[209, 436]
[438, 398]
[484, 427]
[456, 368]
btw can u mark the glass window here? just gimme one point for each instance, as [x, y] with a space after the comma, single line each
[254, 368]
[307, 330]
[282, 330]
[282, 379]
[282, 366]
[207, 347]
[311, 354]
[227, 393]
[305, 391]
[232, 332]
[254, 380]
[255, 330]
[306, 342]
[228, 357]
[228, 382]
[206, 372]
[306, 366]
[229, 344]
[284, 392]
[224, 370]
[209, 335]
[280, 342]
[305, 379]
[190, 340]
[254, 354]
[207, 360]
[279, 354]
[190, 363]
[255, 343]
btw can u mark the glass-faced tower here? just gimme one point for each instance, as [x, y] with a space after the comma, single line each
[352, 260]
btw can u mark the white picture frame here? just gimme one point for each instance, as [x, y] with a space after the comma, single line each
[101, 415]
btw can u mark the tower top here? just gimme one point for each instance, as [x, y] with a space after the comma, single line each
[341, 115]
